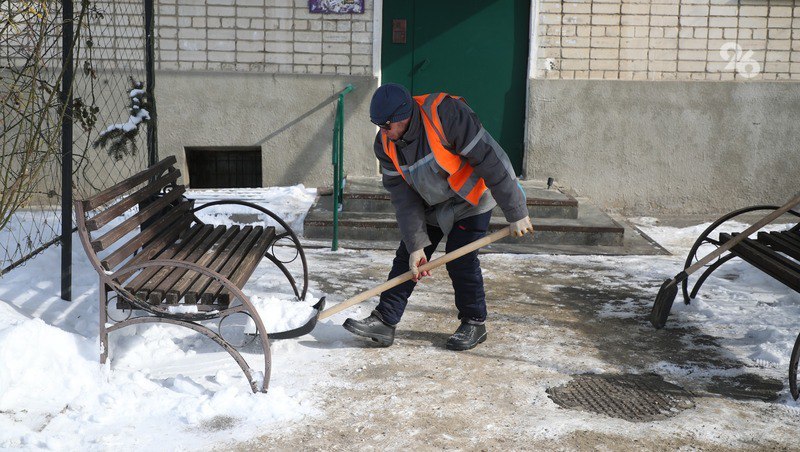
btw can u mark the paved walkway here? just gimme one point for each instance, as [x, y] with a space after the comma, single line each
[550, 318]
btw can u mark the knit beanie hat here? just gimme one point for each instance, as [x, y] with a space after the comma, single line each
[391, 102]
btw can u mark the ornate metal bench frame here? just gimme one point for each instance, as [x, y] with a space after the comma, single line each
[112, 281]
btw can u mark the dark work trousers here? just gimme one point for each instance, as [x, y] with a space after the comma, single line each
[465, 272]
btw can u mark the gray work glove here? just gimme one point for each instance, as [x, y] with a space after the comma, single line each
[520, 227]
[416, 259]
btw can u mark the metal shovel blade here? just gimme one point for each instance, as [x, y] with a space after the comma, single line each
[304, 329]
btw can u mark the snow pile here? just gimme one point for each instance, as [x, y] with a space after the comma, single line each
[279, 314]
[680, 240]
[166, 387]
[289, 203]
[44, 368]
[56, 395]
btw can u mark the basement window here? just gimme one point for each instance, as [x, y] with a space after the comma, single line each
[224, 167]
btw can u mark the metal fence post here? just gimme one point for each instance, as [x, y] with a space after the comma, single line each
[152, 129]
[66, 151]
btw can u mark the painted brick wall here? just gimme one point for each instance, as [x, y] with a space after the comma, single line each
[669, 39]
[277, 36]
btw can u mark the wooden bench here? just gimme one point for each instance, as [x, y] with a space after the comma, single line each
[775, 253]
[156, 258]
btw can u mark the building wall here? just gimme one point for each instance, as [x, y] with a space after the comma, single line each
[289, 116]
[669, 39]
[634, 104]
[728, 65]
[265, 73]
[667, 147]
[273, 36]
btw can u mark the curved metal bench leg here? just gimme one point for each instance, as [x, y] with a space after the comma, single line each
[299, 248]
[166, 317]
[286, 273]
[103, 320]
[690, 260]
[705, 276]
[213, 336]
[793, 369]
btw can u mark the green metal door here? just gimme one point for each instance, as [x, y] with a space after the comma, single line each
[477, 49]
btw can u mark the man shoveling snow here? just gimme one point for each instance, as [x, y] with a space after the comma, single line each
[445, 174]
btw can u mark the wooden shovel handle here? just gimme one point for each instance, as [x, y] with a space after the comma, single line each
[397, 280]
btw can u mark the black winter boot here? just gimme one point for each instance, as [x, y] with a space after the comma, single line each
[467, 336]
[372, 327]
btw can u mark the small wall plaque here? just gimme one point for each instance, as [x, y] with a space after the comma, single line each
[398, 31]
[336, 6]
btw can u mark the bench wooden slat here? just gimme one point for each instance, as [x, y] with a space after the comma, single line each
[192, 295]
[104, 217]
[166, 229]
[167, 253]
[209, 294]
[158, 292]
[179, 289]
[248, 265]
[129, 183]
[767, 260]
[136, 220]
[791, 236]
[780, 258]
[781, 241]
[186, 248]
[180, 231]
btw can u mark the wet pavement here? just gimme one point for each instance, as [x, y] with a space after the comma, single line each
[551, 320]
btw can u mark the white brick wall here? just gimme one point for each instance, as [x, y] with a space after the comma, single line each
[669, 39]
[278, 36]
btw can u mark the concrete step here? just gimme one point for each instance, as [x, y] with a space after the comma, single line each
[591, 228]
[368, 195]
[561, 224]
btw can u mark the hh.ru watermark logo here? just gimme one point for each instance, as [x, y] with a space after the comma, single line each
[739, 60]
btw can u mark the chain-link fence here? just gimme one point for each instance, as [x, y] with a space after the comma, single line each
[110, 102]
[107, 111]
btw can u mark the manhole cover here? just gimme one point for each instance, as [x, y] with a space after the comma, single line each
[631, 397]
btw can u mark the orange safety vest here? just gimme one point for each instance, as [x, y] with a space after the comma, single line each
[459, 170]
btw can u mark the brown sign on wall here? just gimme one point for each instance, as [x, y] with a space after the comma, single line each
[398, 31]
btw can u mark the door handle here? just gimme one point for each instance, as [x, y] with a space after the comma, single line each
[421, 65]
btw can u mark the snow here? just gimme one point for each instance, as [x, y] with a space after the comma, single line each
[166, 388]
[288, 203]
[282, 315]
[131, 124]
[753, 314]
[54, 393]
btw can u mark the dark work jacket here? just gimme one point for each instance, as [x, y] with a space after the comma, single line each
[431, 200]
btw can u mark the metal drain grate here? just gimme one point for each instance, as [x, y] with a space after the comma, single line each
[637, 398]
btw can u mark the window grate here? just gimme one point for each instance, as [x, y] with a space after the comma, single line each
[224, 167]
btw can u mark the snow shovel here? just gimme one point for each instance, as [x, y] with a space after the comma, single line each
[397, 280]
[668, 291]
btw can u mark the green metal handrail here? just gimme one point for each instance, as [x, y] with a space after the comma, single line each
[338, 165]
